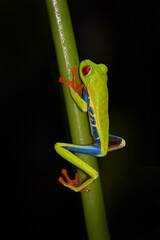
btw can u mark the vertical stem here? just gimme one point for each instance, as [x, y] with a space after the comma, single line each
[67, 57]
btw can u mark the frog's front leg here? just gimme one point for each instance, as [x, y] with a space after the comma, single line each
[73, 84]
[75, 90]
[65, 151]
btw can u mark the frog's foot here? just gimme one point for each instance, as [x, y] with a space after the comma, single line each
[74, 183]
[76, 87]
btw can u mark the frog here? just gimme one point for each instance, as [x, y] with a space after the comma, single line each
[93, 100]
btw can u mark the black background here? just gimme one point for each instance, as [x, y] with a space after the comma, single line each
[125, 36]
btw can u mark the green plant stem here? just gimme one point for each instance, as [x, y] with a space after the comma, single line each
[67, 58]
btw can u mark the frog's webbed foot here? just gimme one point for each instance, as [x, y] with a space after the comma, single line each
[76, 87]
[72, 183]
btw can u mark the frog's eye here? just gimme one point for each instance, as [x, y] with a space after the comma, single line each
[86, 70]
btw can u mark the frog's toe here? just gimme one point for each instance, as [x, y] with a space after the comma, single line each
[72, 184]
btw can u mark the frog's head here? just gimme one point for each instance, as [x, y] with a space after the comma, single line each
[90, 71]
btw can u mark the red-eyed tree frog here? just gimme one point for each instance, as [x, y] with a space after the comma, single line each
[94, 101]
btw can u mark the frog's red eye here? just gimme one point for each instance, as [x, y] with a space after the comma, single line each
[86, 70]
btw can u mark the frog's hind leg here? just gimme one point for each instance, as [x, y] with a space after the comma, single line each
[93, 149]
[65, 150]
[115, 143]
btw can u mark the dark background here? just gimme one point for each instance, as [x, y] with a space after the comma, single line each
[125, 36]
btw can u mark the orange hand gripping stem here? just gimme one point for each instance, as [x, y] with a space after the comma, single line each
[73, 84]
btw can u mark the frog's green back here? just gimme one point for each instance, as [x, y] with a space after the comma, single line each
[96, 83]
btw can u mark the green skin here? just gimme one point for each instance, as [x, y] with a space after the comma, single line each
[96, 84]
[95, 81]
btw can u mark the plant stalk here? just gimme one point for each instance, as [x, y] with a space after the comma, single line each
[67, 57]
